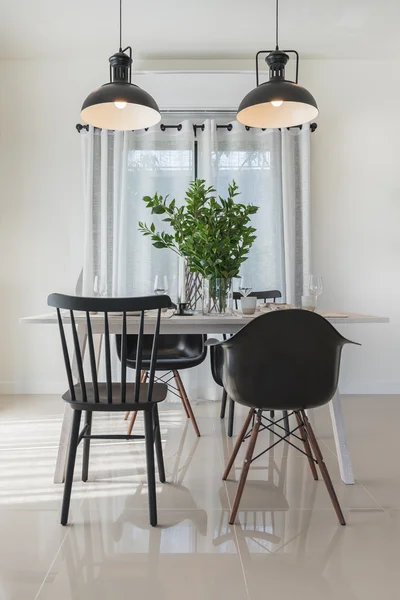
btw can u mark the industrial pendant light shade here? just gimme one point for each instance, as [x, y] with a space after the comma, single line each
[120, 104]
[277, 102]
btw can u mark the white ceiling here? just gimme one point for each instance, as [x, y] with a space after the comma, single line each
[224, 29]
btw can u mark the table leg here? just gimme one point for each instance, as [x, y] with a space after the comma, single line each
[68, 413]
[339, 432]
[310, 412]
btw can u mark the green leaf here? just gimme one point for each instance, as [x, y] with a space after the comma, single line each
[158, 210]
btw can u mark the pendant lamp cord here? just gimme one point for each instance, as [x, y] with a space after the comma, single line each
[277, 25]
[120, 25]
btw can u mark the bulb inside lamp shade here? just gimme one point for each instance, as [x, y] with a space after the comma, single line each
[120, 105]
[277, 103]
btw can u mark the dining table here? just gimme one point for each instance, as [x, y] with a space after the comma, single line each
[201, 324]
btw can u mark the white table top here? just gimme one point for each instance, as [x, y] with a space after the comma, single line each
[188, 324]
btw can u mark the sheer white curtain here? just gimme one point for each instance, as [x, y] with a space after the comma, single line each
[272, 169]
[296, 204]
[120, 168]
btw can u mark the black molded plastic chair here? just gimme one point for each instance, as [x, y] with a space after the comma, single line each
[175, 352]
[298, 370]
[216, 358]
[266, 295]
[85, 397]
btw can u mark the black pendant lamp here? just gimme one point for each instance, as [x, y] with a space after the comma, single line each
[120, 104]
[277, 102]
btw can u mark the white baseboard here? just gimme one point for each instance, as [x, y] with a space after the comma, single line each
[32, 387]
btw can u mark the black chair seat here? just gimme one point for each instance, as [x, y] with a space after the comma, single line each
[158, 395]
[174, 352]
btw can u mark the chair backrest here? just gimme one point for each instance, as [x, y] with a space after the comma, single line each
[284, 359]
[268, 295]
[94, 318]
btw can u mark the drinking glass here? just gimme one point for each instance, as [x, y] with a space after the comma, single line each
[245, 286]
[315, 286]
[99, 286]
[160, 285]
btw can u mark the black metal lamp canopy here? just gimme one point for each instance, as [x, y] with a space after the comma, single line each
[120, 104]
[277, 102]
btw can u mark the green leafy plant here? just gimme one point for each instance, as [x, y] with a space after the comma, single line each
[213, 234]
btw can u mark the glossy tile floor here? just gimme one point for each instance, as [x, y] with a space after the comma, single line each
[287, 543]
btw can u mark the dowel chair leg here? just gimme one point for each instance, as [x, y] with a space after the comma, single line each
[231, 417]
[239, 442]
[223, 404]
[324, 471]
[245, 470]
[132, 421]
[86, 446]
[69, 475]
[186, 402]
[158, 445]
[143, 379]
[307, 447]
[286, 421]
[151, 477]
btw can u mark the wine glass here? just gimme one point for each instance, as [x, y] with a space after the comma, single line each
[160, 285]
[315, 286]
[99, 286]
[245, 286]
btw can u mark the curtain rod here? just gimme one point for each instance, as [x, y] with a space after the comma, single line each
[229, 127]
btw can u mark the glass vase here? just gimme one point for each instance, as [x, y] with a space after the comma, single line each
[217, 296]
[189, 287]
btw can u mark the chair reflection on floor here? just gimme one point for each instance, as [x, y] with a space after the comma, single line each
[294, 564]
[254, 522]
[104, 539]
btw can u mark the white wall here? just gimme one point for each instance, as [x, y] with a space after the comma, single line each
[355, 185]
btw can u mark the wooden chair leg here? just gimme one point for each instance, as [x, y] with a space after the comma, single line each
[151, 477]
[158, 445]
[182, 398]
[69, 475]
[307, 447]
[245, 470]
[223, 404]
[323, 469]
[231, 417]
[132, 422]
[185, 401]
[86, 446]
[143, 378]
[239, 442]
